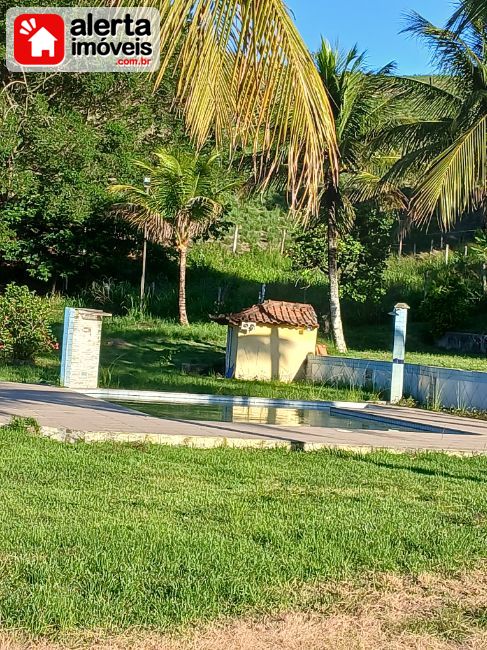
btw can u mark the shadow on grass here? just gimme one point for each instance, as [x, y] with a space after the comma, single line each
[153, 355]
[416, 469]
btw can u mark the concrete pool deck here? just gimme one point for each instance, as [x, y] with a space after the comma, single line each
[67, 415]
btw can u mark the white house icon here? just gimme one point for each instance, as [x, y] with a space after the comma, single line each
[42, 41]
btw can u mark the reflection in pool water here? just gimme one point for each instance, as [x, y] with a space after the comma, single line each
[257, 415]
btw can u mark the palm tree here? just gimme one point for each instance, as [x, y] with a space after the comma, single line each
[181, 204]
[247, 78]
[359, 106]
[444, 148]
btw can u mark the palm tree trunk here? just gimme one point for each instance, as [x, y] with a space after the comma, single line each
[183, 316]
[335, 309]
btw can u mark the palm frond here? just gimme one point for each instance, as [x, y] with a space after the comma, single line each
[431, 99]
[456, 180]
[415, 135]
[450, 52]
[245, 72]
[181, 202]
[406, 169]
[355, 95]
[367, 186]
[469, 11]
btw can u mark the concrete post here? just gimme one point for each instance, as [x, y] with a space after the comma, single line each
[400, 314]
[81, 347]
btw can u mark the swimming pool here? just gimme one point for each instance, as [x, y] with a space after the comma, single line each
[280, 416]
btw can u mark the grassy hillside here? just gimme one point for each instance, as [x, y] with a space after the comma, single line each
[218, 281]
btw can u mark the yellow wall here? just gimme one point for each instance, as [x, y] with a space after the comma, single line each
[274, 353]
[266, 415]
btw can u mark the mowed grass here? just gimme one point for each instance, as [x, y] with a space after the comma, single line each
[153, 354]
[376, 341]
[115, 537]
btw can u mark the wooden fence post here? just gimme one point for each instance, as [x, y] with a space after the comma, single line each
[283, 241]
[235, 240]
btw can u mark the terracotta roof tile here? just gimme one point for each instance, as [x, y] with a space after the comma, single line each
[274, 312]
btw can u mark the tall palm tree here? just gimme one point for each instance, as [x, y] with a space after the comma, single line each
[181, 204]
[444, 145]
[246, 77]
[359, 105]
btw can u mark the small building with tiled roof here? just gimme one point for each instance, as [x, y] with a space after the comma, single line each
[271, 340]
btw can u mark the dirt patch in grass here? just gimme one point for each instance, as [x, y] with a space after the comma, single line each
[385, 612]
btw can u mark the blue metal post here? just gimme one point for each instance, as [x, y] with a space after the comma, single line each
[400, 314]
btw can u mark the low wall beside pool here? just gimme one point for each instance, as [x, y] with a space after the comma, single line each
[428, 385]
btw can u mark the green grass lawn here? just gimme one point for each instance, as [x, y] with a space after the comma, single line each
[155, 353]
[375, 342]
[115, 537]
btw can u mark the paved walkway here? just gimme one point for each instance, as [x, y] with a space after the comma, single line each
[58, 409]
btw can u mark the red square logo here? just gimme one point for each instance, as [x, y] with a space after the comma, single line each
[39, 39]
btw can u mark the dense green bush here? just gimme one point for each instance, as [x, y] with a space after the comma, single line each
[451, 297]
[407, 278]
[24, 324]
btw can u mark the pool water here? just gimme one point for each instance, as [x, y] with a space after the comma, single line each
[257, 415]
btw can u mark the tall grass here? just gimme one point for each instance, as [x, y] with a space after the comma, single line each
[217, 281]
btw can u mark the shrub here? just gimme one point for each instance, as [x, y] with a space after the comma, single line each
[451, 299]
[24, 324]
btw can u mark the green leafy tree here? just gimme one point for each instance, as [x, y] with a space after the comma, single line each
[63, 139]
[181, 204]
[362, 253]
[479, 248]
[452, 296]
[54, 193]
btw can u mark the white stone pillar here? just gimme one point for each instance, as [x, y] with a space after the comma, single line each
[81, 347]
